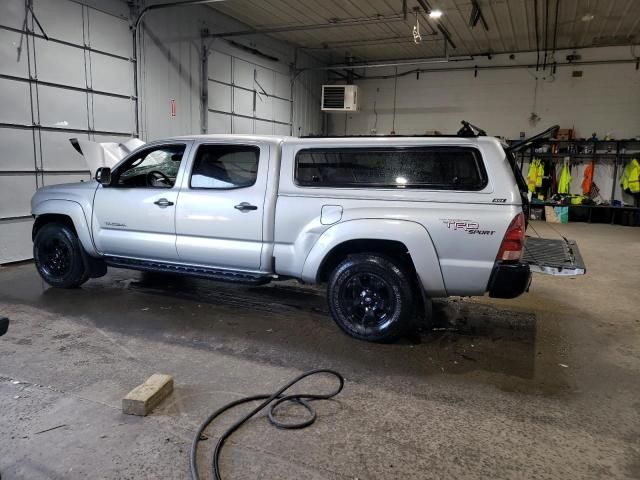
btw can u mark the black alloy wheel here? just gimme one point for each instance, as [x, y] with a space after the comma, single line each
[371, 296]
[58, 256]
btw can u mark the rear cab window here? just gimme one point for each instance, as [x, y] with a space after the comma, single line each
[437, 168]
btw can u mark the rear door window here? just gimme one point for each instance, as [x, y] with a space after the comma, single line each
[439, 168]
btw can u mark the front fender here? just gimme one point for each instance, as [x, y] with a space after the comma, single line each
[74, 211]
[413, 235]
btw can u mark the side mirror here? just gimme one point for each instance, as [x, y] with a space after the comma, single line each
[103, 176]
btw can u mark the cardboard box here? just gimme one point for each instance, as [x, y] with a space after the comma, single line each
[556, 214]
[565, 134]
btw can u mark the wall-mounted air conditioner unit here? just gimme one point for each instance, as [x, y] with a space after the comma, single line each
[339, 98]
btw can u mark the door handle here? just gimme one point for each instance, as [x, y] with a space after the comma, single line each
[163, 203]
[245, 206]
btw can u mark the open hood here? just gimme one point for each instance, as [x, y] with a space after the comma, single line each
[105, 154]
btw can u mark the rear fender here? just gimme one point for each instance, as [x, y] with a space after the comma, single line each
[413, 235]
[74, 211]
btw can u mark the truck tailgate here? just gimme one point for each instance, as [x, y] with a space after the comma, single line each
[553, 256]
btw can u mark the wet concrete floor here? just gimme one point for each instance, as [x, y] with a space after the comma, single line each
[544, 386]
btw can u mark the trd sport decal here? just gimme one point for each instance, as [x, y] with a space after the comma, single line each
[472, 228]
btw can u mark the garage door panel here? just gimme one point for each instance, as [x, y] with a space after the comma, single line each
[264, 128]
[219, 123]
[242, 102]
[265, 79]
[68, 19]
[243, 73]
[242, 125]
[14, 98]
[109, 33]
[58, 154]
[59, 63]
[113, 75]
[62, 108]
[15, 194]
[281, 110]
[219, 97]
[219, 67]
[113, 114]
[283, 86]
[17, 149]
[9, 42]
[280, 129]
[57, 179]
[12, 13]
[264, 107]
[16, 240]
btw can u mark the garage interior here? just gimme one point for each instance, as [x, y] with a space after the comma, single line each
[541, 386]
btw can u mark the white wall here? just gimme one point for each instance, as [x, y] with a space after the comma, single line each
[605, 99]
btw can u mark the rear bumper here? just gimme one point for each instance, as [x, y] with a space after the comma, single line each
[508, 280]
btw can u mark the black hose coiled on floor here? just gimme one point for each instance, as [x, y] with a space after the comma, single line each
[272, 401]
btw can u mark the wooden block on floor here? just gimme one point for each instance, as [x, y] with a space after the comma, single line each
[144, 398]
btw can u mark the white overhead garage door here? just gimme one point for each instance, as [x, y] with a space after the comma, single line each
[244, 97]
[76, 83]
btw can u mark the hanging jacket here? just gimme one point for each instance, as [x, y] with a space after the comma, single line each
[565, 179]
[587, 178]
[535, 174]
[630, 180]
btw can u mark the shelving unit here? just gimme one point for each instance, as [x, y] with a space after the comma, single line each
[617, 151]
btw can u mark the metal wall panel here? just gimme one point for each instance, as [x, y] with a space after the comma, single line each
[257, 95]
[9, 42]
[113, 114]
[111, 74]
[59, 63]
[17, 149]
[61, 19]
[56, 154]
[16, 194]
[14, 98]
[219, 97]
[219, 122]
[242, 125]
[62, 108]
[15, 239]
[109, 34]
[47, 96]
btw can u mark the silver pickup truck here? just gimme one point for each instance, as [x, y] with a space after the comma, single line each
[386, 222]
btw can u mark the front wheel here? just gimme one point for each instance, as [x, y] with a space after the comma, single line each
[58, 256]
[371, 298]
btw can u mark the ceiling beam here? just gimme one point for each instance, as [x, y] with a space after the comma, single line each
[353, 22]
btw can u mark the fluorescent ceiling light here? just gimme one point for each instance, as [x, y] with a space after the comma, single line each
[435, 13]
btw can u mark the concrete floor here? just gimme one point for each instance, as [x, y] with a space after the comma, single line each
[544, 386]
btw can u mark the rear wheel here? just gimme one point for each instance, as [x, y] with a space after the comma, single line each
[58, 256]
[371, 298]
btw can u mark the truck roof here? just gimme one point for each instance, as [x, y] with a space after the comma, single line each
[348, 140]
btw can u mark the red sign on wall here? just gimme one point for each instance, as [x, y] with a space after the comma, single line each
[172, 104]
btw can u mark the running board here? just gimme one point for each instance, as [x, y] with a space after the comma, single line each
[231, 276]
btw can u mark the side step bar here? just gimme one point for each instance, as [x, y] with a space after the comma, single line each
[200, 272]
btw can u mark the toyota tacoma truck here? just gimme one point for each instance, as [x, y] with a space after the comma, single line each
[386, 222]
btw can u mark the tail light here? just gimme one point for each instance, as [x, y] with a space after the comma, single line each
[513, 241]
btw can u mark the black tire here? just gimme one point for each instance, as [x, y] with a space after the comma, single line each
[371, 298]
[59, 257]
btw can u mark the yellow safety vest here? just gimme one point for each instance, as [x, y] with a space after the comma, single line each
[565, 179]
[630, 181]
[535, 174]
